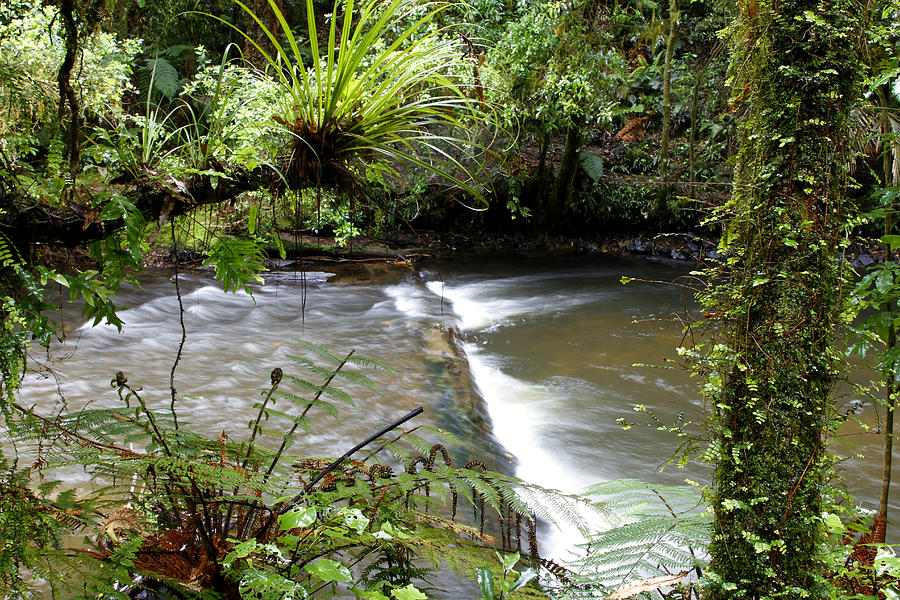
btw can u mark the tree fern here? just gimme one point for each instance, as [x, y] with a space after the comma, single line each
[657, 530]
[158, 76]
[214, 498]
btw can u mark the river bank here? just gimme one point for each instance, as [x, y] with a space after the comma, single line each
[364, 258]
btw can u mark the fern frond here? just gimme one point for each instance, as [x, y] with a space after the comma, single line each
[288, 418]
[484, 489]
[293, 397]
[371, 363]
[323, 372]
[441, 435]
[592, 164]
[659, 530]
[326, 373]
[7, 259]
[158, 75]
[418, 443]
[356, 378]
[320, 349]
[328, 390]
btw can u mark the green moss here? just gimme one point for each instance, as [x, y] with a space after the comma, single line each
[793, 72]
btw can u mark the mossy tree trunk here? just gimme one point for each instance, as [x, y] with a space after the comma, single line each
[889, 178]
[662, 199]
[565, 180]
[779, 297]
[68, 99]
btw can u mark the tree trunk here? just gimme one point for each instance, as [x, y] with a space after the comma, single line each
[542, 161]
[264, 12]
[890, 384]
[565, 181]
[67, 97]
[662, 201]
[543, 180]
[794, 68]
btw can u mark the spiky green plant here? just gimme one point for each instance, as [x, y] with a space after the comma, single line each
[371, 95]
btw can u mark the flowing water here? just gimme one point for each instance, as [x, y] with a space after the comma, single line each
[552, 344]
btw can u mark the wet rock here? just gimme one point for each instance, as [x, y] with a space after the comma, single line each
[865, 260]
[638, 246]
[278, 264]
[458, 402]
[715, 255]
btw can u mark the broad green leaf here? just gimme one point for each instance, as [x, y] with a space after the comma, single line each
[242, 550]
[833, 523]
[112, 210]
[508, 561]
[355, 519]
[369, 595]
[251, 226]
[884, 281]
[297, 517]
[892, 240]
[523, 579]
[329, 570]
[485, 578]
[408, 592]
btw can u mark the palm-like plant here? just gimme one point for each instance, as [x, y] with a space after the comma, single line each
[372, 97]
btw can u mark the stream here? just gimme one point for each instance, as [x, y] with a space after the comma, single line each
[553, 345]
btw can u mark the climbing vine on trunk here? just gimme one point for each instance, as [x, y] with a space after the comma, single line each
[778, 298]
[67, 97]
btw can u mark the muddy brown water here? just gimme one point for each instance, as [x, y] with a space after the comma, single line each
[555, 348]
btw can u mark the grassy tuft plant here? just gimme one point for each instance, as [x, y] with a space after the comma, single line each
[371, 95]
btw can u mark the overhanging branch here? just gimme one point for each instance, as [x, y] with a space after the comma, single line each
[77, 224]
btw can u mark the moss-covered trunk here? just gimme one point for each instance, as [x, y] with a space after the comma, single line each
[779, 297]
[565, 180]
[889, 178]
[662, 198]
[68, 100]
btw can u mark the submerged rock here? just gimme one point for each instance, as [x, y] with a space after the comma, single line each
[460, 408]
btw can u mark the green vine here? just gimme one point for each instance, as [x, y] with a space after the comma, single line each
[776, 302]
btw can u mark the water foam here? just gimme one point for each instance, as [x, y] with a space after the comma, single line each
[409, 299]
[518, 409]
